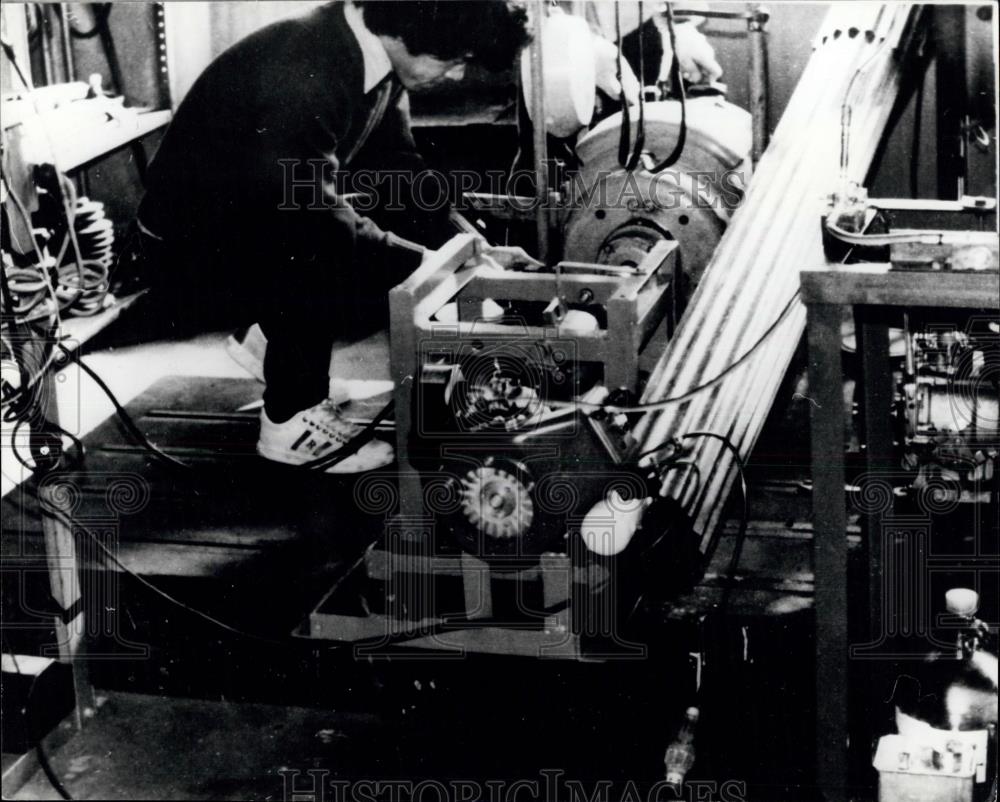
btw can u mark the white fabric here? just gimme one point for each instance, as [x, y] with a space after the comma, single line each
[377, 64]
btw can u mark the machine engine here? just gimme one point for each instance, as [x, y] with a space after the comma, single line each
[617, 216]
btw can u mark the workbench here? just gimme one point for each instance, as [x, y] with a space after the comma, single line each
[869, 290]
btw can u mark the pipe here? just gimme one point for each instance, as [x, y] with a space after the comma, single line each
[540, 145]
[44, 36]
[69, 65]
[757, 17]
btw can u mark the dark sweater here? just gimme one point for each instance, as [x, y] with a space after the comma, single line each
[292, 91]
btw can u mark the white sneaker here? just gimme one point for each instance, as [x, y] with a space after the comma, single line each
[317, 432]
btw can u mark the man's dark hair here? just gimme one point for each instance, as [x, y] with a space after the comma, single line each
[489, 32]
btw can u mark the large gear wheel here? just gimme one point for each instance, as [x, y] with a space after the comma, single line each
[496, 502]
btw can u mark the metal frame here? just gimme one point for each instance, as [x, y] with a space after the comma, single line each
[826, 291]
[640, 305]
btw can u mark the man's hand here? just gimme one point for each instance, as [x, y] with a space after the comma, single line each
[695, 55]
[606, 64]
[505, 257]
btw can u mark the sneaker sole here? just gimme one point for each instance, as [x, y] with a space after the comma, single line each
[347, 466]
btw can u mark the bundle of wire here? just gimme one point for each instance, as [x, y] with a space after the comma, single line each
[75, 281]
[85, 256]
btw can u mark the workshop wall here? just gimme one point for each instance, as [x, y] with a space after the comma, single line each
[198, 31]
[156, 51]
[124, 48]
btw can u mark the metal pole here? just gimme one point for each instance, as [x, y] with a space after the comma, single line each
[757, 16]
[540, 146]
[69, 66]
[44, 36]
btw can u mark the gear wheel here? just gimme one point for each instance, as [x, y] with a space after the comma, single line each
[497, 502]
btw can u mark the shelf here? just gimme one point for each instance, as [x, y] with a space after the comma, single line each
[75, 148]
[77, 331]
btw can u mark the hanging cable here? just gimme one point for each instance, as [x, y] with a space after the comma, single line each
[640, 136]
[625, 135]
[678, 87]
[102, 11]
[43, 758]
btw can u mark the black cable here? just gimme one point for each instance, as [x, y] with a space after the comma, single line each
[678, 82]
[127, 422]
[663, 403]
[321, 463]
[444, 625]
[353, 445]
[43, 758]
[102, 11]
[49, 772]
[81, 527]
[14, 449]
[741, 534]
[640, 136]
[111, 54]
[9, 52]
[625, 132]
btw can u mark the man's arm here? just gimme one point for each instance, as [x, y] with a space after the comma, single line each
[407, 198]
[301, 181]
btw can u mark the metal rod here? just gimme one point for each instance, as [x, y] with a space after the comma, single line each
[540, 145]
[44, 33]
[757, 17]
[69, 65]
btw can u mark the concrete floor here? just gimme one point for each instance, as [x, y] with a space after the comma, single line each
[148, 747]
[362, 367]
[144, 746]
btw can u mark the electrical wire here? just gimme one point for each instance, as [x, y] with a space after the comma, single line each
[846, 110]
[126, 419]
[102, 11]
[40, 754]
[444, 625]
[881, 240]
[85, 289]
[82, 528]
[665, 403]
[12, 58]
[678, 82]
[351, 447]
[741, 534]
[320, 464]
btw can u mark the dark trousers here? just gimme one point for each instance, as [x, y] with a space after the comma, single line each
[302, 306]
